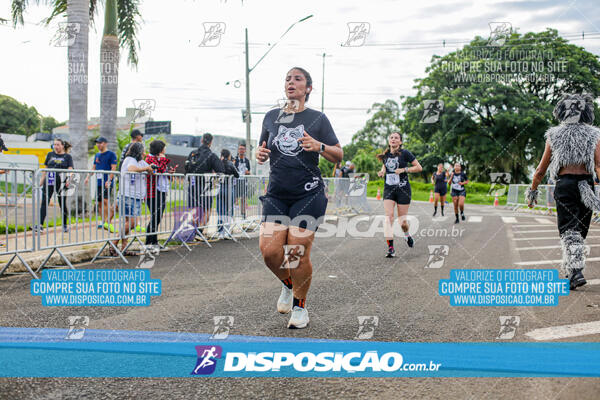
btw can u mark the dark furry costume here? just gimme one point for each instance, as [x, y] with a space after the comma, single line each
[573, 142]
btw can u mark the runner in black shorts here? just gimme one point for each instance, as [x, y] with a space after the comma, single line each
[396, 190]
[440, 181]
[295, 202]
[458, 180]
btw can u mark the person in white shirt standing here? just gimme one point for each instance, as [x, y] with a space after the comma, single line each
[132, 190]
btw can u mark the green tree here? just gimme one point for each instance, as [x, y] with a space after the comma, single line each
[17, 118]
[366, 160]
[496, 125]
[49, 123]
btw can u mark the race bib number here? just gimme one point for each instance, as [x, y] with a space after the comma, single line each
[457, 186]
[392, 179]
[99, 176]
[51, 178]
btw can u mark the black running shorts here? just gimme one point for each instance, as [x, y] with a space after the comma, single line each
[399, 194]
[306, 212]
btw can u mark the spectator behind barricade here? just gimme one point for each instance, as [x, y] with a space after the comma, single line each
[337, 171]
[136, 137]
[105, 160]
[202, 161]
[242, 163]
[132, 189]
[346, 169]
[157, 188]
[50, 182]
[225, 199]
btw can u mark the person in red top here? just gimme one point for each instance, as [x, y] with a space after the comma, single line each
[156, 189]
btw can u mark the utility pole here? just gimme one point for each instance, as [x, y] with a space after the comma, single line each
[247, 117]
[323, 83]
[247, 73]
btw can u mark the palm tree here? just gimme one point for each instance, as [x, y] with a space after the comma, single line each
[78, 21]
[109, 72]
[78, 13]
[127, 26]
[120, 28]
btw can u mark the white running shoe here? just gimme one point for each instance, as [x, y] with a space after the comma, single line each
[286, 299]
[299, 318]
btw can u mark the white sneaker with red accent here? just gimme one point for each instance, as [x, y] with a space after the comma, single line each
[299, 318]
[286, 299]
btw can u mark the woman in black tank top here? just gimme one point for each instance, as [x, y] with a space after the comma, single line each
[439, 180]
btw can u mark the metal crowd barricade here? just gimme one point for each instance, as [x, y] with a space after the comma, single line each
[347, 194]
[74, 207]
[17, 202]
[247, 207]
[200, 191]
[516, 197]
[356, 193]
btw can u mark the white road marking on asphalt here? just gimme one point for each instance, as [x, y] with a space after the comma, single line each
[331, 218]
[509, 220]
[565, 331]
[544, 221]
[549, 247]
[551, 237]
[363, 218]
[593, 281]
[527, 226]
[549, 230]
[546, 262]
[474, 218]
[332, 276]
[439, 219]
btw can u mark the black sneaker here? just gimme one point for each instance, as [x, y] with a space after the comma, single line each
[442, 213]
[576, 279]
[410, 242]
[434, 213]
[457, 220]
[462, 216]
[391, 253]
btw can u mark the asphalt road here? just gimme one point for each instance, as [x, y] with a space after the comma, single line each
[351, 278]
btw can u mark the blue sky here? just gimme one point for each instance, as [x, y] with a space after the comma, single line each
[188, 81]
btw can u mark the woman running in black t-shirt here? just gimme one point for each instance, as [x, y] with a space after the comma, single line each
[51, 182]
[292, 138]
[439, 180]
[458, 180]
[396, 190]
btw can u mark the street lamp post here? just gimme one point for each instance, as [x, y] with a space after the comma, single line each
[247, 113]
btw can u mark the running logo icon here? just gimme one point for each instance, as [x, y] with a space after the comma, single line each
[357, 34]
[500, 181]
[212, 34]
[286, 140]
[66, 34]
[143, 108]
[207, 359]
[431, 111]
[290, 105]
[575, 108]
[223, 324]
[77, 326]
[499, 32]
[508, 326]
[366, 326]
[148, 257]
[437, 255]
[291, 255]
[358, 185]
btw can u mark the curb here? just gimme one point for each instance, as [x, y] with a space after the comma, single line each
[82, 254]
